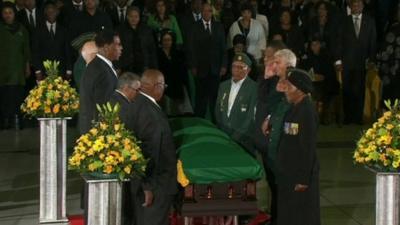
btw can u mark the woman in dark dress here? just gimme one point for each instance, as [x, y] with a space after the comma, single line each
[291, 34]
[139, 49]
[172, 64]
[326, 87]
[14, 64]
[297, 161]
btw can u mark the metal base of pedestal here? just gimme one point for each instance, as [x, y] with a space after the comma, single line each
[58, 222]
[387, 199]
[104, 201]
[53, 167]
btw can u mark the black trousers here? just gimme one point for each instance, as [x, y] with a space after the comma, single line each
[206, 95]
[11, 98]
[353, 95]
[157, 213]
[271, 179]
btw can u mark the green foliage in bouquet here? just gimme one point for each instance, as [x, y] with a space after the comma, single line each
[108, 148]
[52, 97]
[379, 146]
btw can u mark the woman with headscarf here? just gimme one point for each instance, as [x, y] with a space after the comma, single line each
[14, 64]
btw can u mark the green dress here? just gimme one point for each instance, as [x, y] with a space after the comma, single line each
[14, 54]
[155, 24]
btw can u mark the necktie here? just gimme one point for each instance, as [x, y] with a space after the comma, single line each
[208, 28]
[357, 25]
[31, 19]
[121, 15]
[52, 34]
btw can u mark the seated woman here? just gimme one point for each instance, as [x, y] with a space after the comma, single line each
[172, 64]
[326, 86]
[162, 19]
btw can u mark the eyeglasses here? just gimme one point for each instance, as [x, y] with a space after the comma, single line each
[162, 85]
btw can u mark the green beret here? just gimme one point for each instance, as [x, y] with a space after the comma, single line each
[300, 79]
[242, 57]
[78, 42]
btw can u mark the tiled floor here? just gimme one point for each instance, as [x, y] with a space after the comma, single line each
[347, 190]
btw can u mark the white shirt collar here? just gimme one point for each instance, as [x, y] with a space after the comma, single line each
[359, 16]
[49, 25]
[149, 97]
[238, 83]
[196, 15]
[109, 63]
[29, 12]
[77, 4]
[122, 93]
[205, 22]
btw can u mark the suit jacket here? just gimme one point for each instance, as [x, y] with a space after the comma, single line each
[355, 51]
[97, 85]
[45, 47]
[240, 122]
[23, 18]
[150, 125]
[67, 12]
[207, 52]
[124, 103]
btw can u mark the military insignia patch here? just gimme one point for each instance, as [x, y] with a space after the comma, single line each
[291, 128]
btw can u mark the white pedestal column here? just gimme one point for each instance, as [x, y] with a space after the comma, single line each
[387, 199]
[53, 167]
[104, 201]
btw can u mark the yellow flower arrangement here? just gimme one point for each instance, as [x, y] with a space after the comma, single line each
[379, 146]
[108, 148]
[52, 97]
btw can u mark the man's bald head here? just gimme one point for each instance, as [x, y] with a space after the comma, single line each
[153, 83]
[89, 51]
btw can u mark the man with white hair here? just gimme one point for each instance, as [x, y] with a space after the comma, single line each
[273, 122]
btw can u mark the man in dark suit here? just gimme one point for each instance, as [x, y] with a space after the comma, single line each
[153, 196]
[118, 12]
[100, 79]
[49, 43]
[189, 18]
[69, 10]
[31, 16]
[128, 89]
[355, 48]
[207, 60]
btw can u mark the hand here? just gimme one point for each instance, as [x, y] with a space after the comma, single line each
[222, 72]
[148, 198]
[300, 188]
[39, 76]
[338, 67]
[194, 72]
[265, 126]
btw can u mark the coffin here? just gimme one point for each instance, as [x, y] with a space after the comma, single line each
[221, 173]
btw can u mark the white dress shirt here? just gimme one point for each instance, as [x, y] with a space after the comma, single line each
[235, 87]
[109, 63]
[28, 13]
[205, 24]
[123, 11]
[48, 24]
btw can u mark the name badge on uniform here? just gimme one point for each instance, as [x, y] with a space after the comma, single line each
[221, 108]
[291, 128]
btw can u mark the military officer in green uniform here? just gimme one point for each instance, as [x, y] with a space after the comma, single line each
[236, 101]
